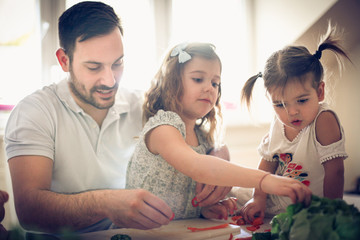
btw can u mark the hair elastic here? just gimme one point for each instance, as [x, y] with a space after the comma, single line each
[259, 75]
[317, 54]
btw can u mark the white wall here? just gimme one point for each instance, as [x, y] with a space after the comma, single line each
[281, 22]
[346, 104]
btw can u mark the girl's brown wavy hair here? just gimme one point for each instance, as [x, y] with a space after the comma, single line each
[167, 89]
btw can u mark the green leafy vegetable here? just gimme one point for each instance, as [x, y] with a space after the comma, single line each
[261, 236]
[324, 219]
[120, 237]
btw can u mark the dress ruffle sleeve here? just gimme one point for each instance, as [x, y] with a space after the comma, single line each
[165, 118]
[334, 150]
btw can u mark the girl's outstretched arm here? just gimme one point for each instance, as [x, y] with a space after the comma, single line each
[168, 142]
[256, 206]
[207, 195]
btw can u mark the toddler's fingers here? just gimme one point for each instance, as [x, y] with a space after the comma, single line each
[4, 196]
[308, 194]
[303, 193]
[292, 194]
[248, 213]
[230, 205]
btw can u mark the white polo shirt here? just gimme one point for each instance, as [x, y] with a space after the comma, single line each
[49, 123]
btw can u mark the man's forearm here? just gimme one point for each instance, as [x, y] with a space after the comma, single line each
[47, 211]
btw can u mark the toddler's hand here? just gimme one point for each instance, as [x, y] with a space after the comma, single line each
[254, 208]
[220, 210]
[4, 197]
[284, 186]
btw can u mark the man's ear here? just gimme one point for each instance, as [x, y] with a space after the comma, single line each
[63, 59]
[321, 91]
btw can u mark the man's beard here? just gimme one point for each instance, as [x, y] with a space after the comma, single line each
[79, 91]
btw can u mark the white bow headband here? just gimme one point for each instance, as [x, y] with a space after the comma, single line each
[179, 50]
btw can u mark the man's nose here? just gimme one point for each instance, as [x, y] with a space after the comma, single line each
[108, 77]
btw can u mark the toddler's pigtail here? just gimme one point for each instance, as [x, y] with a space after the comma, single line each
[331, 41]
[246, 91]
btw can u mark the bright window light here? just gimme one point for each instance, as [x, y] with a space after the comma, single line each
[226, 25]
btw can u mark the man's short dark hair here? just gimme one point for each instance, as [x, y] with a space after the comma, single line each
[86, 20]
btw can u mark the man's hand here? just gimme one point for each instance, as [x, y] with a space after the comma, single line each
[137, 209]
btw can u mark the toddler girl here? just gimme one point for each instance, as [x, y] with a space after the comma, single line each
[306, 140]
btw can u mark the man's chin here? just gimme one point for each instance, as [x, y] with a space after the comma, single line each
[104, 105]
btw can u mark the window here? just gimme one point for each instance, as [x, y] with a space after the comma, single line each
[150, 28]
[20, 45]
[228, 25]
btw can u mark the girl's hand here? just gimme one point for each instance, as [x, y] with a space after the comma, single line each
[254, 208]
[284, 186]
[207, 195]
[220, 210]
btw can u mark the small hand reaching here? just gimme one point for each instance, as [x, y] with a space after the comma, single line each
[254, 208]
[284, 186]
[208, 195]
[220, 210]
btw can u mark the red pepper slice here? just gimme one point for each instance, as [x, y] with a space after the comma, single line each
[194, 229]
[234, 218]
[252, 228]
[194, 202]
[257, 222]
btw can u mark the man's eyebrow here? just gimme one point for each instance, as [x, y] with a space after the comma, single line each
[92, 62]
[95, 62]
[121, 57]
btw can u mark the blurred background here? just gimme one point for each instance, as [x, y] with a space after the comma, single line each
[245, 33]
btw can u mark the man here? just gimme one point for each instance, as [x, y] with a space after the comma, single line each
[68, 144]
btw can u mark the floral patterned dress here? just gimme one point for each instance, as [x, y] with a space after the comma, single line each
[153, 173]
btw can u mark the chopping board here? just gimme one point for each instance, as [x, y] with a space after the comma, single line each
[174, 230]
